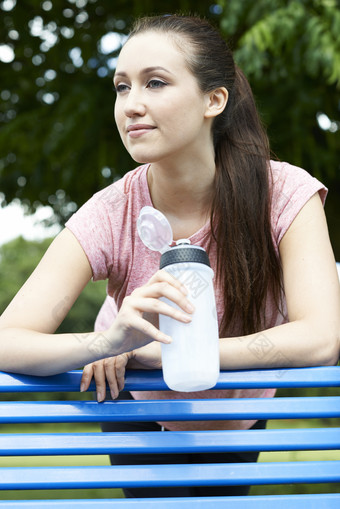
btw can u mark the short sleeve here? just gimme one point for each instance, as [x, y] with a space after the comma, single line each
[292, 188]
[92, 227]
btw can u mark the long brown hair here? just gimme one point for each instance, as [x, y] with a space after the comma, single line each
[248, 268]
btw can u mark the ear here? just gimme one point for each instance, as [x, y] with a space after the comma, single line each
[216, 102]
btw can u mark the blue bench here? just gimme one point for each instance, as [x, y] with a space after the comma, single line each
[93, 443]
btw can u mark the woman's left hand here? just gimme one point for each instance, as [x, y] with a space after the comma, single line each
[112, 369]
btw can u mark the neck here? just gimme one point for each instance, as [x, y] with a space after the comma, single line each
[181, 190]
[183, 194]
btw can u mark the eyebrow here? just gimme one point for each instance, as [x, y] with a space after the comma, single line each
[147, 70]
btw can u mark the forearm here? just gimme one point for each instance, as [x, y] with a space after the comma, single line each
[34, 353]
[294, 344]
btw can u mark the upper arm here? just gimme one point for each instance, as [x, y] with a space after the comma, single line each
[311, 282]
[45, 299]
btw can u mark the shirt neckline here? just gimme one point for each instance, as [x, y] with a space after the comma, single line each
[196, 237]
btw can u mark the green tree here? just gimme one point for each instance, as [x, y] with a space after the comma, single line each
[58, 143]
[290, 52]
[19, 258]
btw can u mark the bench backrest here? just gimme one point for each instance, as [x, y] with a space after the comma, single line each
[94, 443]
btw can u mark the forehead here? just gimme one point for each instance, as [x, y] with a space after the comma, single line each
[148, 50]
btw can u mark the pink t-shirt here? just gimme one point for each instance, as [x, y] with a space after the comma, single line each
[106, 227]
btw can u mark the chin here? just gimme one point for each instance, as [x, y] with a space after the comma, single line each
[143, 158]
[140, 160]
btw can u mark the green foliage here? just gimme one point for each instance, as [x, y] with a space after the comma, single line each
[58, 142]
[290, 51]
[56, 115]
[19, 258]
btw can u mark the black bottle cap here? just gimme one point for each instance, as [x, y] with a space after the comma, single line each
[179, 254]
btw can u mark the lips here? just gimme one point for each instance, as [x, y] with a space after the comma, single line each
[137, 130]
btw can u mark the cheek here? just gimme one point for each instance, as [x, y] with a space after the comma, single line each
[185, 107]
[116, 112]
[119, 118]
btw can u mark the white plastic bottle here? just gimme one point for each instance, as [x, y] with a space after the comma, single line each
[191, 361]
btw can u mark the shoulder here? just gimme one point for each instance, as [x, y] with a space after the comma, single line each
[133, 182]
[102, 224]
[113, 199]
[288, 179]
[291, 188]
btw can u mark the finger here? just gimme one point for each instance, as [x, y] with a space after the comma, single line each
[163, 275]
[86, 377]
[150, 305]
[99, 376]
[115, 372]
[164, 289]
[121, 363]
[110, 373]
[150, 331]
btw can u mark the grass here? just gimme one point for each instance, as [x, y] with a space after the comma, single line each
[54, 461]
[34, 461]
[292, 489]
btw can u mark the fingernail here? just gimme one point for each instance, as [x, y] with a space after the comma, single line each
[82, 387]
[190, 307]
[100, 396]
[184, 290]
[187, 318]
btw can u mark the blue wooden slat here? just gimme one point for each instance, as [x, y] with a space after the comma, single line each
[169, 410]
[317, 501]
[213, 474]
[153, 380]
[248, 379]
[49, 444]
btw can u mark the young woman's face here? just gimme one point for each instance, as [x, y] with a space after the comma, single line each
[159, 110]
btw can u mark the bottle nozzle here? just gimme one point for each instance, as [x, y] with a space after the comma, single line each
[182, 241]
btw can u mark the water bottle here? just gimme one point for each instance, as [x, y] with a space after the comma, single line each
[191, 362]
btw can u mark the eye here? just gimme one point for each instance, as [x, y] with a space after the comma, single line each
[156, 84]
[121, 87]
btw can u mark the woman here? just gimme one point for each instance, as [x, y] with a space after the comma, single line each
[187, 114]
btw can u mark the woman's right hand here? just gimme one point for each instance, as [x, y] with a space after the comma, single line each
[134, 336]
[131, 330]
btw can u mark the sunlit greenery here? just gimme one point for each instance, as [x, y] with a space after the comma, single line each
[18, 259]
[58, 142]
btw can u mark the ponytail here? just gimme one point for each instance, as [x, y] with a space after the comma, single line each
[247, 265]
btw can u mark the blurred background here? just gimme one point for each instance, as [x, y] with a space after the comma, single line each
[59, 145]
[58, 141]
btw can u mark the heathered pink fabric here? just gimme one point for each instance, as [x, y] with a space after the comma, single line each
[106, 227]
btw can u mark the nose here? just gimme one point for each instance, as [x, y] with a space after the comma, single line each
[134, 104]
